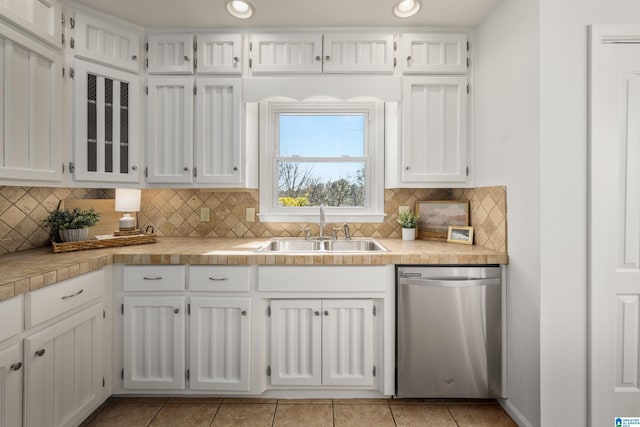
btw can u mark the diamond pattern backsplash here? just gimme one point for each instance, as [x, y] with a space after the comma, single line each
[176, 212]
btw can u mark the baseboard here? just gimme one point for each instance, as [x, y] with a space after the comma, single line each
[514, 413]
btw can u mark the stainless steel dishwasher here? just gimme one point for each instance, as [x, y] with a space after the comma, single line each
[449, 332]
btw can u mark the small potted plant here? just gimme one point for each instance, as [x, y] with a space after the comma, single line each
[408, 220]
[71, 226]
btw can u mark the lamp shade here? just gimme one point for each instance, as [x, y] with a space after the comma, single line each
[128, 199]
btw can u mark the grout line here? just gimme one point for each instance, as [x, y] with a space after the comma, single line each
[154, 417]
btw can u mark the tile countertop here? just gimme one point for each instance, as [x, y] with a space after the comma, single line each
[25, 271]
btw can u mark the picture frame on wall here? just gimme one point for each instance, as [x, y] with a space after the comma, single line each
[435, 217]
[460, 234]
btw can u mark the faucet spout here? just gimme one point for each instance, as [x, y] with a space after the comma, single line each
[322, 220]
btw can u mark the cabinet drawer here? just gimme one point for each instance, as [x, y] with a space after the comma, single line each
[220, 278]
[52, 301]
[11, 317]
[324, 279]
[154, 278]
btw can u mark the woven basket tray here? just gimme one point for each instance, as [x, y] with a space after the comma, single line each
[104, 243]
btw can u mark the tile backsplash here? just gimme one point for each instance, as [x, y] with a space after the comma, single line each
[176, 212]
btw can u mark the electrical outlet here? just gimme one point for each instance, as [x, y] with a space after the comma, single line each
[204, 214]
[403, 209]
[250, 214]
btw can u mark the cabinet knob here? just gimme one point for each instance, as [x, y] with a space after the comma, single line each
[16, 366]
[327, 58]
[316, 313]
[134, 57]
[407, 167]
[236, 60]
[186, 58]
[235, 168]
[40, 352]
[409, 59]
[134, 168]
[318, 58]
[326, 312]
[185, 168]
[176, 310]
[244, 312]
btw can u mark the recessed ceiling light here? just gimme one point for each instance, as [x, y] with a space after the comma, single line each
[239, 8]
[406, 8]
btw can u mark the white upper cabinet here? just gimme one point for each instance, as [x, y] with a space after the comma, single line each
[31, 111]
[219, 53]
[434, 53]
[170, 130]
[106, 43]
[106, 138]
[170, 54]
[434, 130]
[219, 151]
[42, 18]
[315, 53]
[286, 53]
[358, 53]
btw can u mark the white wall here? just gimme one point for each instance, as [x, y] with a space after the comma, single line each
[507, 152]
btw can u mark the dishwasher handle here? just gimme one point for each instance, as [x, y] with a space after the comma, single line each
[456, 282]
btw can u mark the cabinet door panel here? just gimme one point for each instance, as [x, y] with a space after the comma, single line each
[218, 132]
[358, 53]
[435, 53]
[106, 140]
[220, 344]
[286, 53]
[154, 342]
[64, 370]
[30, 115]
[41, 18]
[11, 386]
[220, 53]
[296, 342]
[434, 140]
[170, 54]
[347, 340]
[106, 43]
[170, 130]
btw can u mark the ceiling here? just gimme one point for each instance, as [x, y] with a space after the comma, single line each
[293, 13]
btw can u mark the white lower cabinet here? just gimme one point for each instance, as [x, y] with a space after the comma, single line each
[11, 386]
[63, 370]
[322, 342]
[220, 342]
[154, 340]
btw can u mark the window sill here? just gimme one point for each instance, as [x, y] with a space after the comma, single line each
[314, 218]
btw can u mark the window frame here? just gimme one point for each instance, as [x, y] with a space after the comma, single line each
[373, 209]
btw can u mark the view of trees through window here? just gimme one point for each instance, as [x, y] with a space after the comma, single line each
[321, 160]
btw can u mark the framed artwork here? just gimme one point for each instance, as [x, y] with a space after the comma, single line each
[435, 217]
[460, 234]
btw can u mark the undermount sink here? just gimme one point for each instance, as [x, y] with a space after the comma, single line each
[316, 245]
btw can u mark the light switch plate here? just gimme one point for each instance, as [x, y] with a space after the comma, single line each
[204, 214]
[403, 209]
[250, 214]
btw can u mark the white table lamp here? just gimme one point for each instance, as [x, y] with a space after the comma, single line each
[127, 201]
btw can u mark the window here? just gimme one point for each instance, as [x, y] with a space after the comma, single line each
[316, 153]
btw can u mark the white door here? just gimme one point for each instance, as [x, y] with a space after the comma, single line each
[615, 224]
[347, 342]
[218, 132]
[434, 129]
[63, 370]
[358, 53]
[434, 53]
[11, 386]
[219, 53]
[220, 341]
[170, 54]
[170, 130]
[154, 342]
[286, 53]
[296, 342]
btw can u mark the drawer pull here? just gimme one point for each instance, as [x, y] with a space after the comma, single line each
[316, 313]
[176, 310]
[219, 279]
[152, 278]
[326, 312]
[40, 353]
[73, 295]
[16, 366]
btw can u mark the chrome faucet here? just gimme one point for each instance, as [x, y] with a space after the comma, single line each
[347, 232]
[321, 223]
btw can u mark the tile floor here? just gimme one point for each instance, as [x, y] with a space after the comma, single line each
[163, 411]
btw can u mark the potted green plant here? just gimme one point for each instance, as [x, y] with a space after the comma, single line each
[71, 226]
[408, 220]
